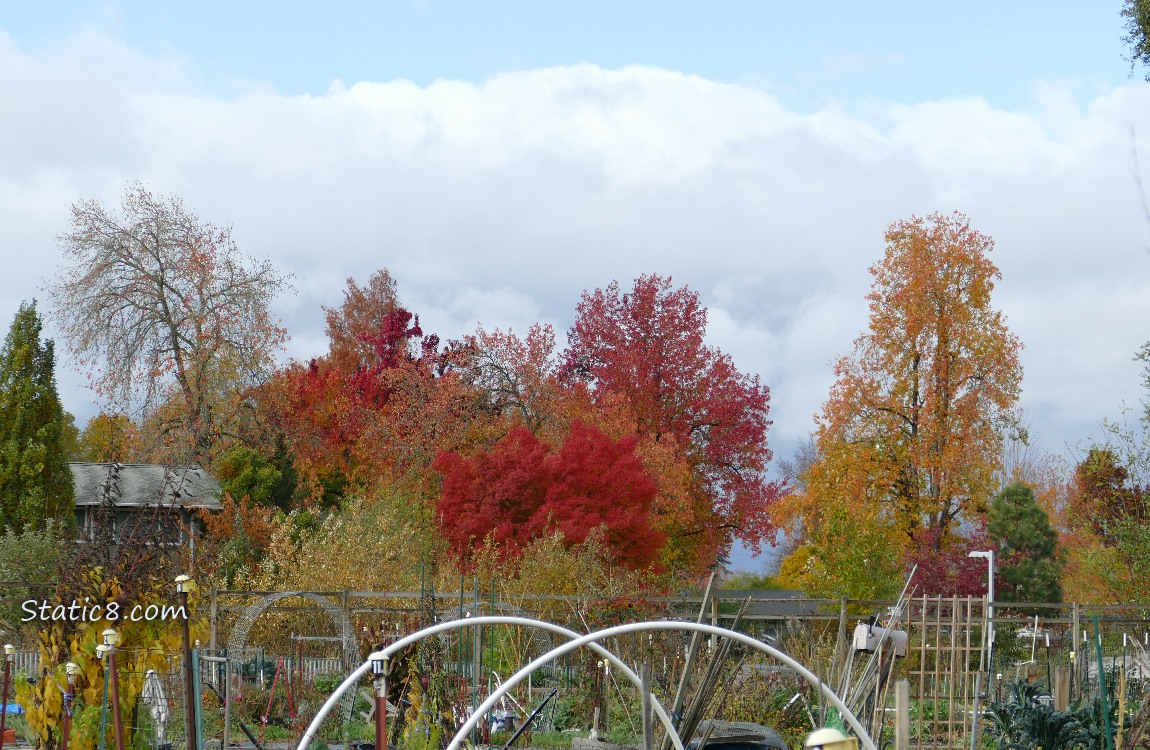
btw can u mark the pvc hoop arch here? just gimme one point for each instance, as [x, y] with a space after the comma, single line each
[638, 627]
[361, 670]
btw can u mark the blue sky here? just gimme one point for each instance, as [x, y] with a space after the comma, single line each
[500, 158]
[805, 52]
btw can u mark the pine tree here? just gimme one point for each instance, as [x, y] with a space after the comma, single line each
[35, 483]
[1030, 563]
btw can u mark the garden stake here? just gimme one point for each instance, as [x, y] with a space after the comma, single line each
[183, 586]
[9, 654]
[71, 668]
[379, 670]
[111, 640]
[1103, 699]
[100, 652]
[198, 705]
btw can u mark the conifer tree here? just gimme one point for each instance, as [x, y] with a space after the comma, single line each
[1030, 564]
[35, 483]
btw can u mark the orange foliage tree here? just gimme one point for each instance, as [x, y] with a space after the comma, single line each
[913, 428]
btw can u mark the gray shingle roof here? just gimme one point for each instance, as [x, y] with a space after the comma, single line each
[143, 485]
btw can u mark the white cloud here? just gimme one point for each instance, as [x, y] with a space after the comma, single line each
[501, 201]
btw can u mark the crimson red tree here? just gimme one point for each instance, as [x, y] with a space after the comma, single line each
[945, 567]
[648, 346]
[521, 489]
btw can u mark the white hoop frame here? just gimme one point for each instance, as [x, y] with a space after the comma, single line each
[333, 699]
[638, 627]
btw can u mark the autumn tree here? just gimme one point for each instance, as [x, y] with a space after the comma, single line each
[1104, 495]
[163, 307]
[946, 568]
[378, 407]
[35, 484]
[913, 426]
[361, 316]
[647, 347]
[110, 438]
[1107, 540]
[1029, 562]
[517, 376]
[523, 490]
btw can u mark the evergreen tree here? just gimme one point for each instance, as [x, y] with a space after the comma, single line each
[1030, 563]
[35, 484]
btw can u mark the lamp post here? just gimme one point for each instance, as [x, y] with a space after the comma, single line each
[72, 669]
[111, 640]
[184, 585]
[101, 653]
[988, 555]
[9, 655]
[379, 671]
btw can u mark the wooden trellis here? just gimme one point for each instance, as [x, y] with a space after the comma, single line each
[946, 655]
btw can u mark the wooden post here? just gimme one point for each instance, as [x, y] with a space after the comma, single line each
[952, 677]
[714, 622]
[214, 614]
[966, 698]
[902, 715]
[1061, 689]
[840, 638]
[117, 725]
[922, 692]
[8, 657]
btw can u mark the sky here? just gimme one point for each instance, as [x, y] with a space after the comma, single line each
[501, 158]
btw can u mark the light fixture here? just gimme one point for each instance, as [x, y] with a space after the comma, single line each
[988, 555]
[185, 584]
[111, 637]
[9, 650]
[72, 669]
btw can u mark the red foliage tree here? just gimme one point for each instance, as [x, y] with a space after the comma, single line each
[521, 489]
[944, 565]
[1103, 494]
[647, 346]
[364, 414]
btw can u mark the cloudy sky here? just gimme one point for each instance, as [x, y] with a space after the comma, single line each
[499, 158]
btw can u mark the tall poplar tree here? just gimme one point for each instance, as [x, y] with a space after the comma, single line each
[35, 483]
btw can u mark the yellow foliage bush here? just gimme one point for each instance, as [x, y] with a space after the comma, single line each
[144, 645]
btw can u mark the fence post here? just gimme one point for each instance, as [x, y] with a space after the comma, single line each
[902, 715]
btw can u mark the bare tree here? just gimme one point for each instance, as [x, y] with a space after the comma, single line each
[162, 309]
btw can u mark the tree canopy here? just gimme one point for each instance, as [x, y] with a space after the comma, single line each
[1029, 564]
[1137, 15]
[35, 484]
[646, 347]
[162, 307]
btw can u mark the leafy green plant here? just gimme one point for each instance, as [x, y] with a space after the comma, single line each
[1022, 722]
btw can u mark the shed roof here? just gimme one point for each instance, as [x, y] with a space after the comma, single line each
[145, 485]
